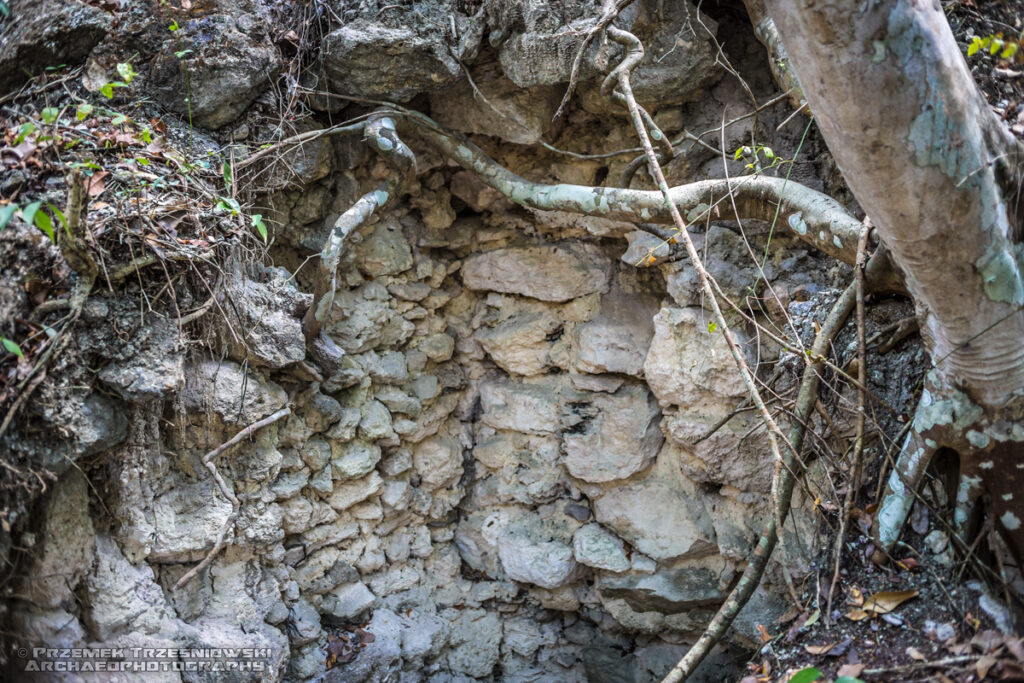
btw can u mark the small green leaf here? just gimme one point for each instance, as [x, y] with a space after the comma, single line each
[181, 54]
[5, 214]
[143, 161]
[985, 42]
[973, 48]
[49, 115]
[12, 347]
[83, 111]
[997, 45]
[848, 679]
[806, 675]
[24, 130]
[126, 72]
[5, 11]
[768, 153]
[738, 154]
[712, 326]
[226, 172]
[44, 223]
[229, 204]
[261, 227]
[146, 136]
[29, 212]
[118, 119]
[107, 90]
[1010, 50]
[174, 26]
[60, 216]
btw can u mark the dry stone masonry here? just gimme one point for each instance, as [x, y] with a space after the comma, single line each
[492, 461]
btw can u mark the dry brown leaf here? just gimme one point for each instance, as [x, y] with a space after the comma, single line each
[819, 649]
[857, 615]
[887, 601]
[908, 563]
[765, 636]
[856, 597]
[915, 654]
[851, 670]
[95, 183]
[983, 665]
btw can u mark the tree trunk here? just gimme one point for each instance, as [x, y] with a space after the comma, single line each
[938, 174]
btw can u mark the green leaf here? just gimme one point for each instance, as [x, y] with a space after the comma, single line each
[261, 227]
[174, 26]
[24, 130]
[1010, 50]
[118, 119]
[29, 212]
[12, 347]
[60, 216]
[5, 214]
[807, 675]
[712, 326]
[768, 153]
[126, 72]
[226, 171]
[848, 679]
[49, 115]
[44, 223]
[997, 45]
[5, 11]
[143, 161]
[738, 154]
[107, 90]
[229, 204]
[985, 42]
[146, 136]
[83, 111]
[181, 54]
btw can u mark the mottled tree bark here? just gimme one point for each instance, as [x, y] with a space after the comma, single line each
[940, 176]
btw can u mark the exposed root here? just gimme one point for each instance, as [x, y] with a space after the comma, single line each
[226, 490]
[380, 130]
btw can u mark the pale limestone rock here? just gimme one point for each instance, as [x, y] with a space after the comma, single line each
[593, 546]
[348, 493]
[218, 387]
[65, 553]
[438, 461]
[681, 528]
[531, 406]
[523, 343]
[555, 272]
[615, 435]
[730, 456]
[384, 250]
[473, 643]
[671, 590]
[186, 520]
[618, 337]
[688, 364]
[348, 601]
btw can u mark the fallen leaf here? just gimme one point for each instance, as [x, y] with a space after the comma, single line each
[795, 628]
[983, 665]
[851, 670]
[1015, 647]
[987, 641]
[909, 563]
[765, 636]
[856, 597]
[819, 649]
[919, 519]
[857, 615]
[887, 601]
[915, 654]
[95, 183]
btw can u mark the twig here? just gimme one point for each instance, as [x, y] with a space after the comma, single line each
[226, 490]
[858, 444]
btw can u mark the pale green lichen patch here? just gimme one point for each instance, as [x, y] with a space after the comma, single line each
[955, 409]
[1000, 268]
[977, 439]
[836, 241]
[381, 197]
[796, 222]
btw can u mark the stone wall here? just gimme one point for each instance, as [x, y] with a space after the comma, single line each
[493, 463]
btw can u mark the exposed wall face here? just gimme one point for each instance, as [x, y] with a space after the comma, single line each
[494, 463]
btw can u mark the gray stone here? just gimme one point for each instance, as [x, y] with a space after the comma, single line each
[616, 340]
[555, 272]
[682, 527]
[226, 390]
[530, 406]
[438, 347]
[155, 371]
[304, 625]
[384, 251]
[348, 601]
[529, 556]
[380, 660]
[100, 425]
[354, 459]
[316, 453]
[186, 520]
[522, 344]
[473, 643]
[593, 546]
[376, 421]
[616, 435]
[669, 591]
[438, 461]
[65, 552]
[348, 493]
[362, 319]
[258, 325]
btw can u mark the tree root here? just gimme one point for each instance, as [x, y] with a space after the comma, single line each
[785, 476]
[380, 130]
[221, 539]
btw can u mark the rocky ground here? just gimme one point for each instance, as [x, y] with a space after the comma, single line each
[498, 463]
